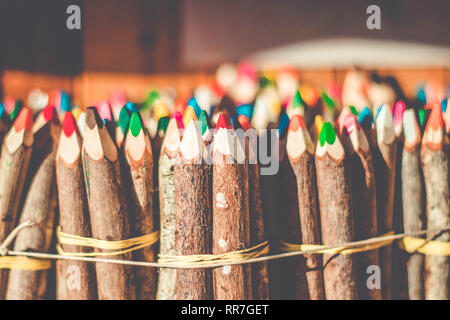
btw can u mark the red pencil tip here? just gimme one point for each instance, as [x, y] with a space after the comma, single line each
[436, 119]
[244, 122]
[224, 121]
[179, 118]
[350, 123]
[399, 109]
[49, 112]
[296, 123]
[24, 120]
[68, 124]
[104, 110]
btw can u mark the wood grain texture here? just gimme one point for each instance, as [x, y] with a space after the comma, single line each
[436, 173]
[193, 228]
[305, 172]
[39, 207]
[74, 219]
[336, 217]
[413, 217]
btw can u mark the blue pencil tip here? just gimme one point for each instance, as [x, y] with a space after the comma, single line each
[365, 118]
[132, 107]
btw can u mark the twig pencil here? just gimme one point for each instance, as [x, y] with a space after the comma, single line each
[16, 152]
[167, 159]
[230, 211]
[107, 206]
[73, 215]
[260, 275]
[293, 269]
[434, 158]
[413, 201]
[364, 201]
[385, 165]
[138, 154]
[39, 207]
[336, 214]
[193, 214]
[300, 151]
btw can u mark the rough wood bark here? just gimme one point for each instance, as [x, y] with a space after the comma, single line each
[194, 228]
[413, 217]
[13, 168]
[39, 207]
[336, 216]
[108, 209]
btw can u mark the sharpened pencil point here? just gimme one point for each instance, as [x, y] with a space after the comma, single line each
[24, 120]
[365, 118]
[179, 118]
[93, 118]
[124, 119]
[224, 121]
[436, 119]
[244, 122]
[203, 122]
[296, 123]
[68, 124]
[163, 122]
[135, 124]
[327, 134]
[48, 112]
[189, 114]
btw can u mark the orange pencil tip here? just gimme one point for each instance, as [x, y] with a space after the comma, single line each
[296, 123]
[24, 120]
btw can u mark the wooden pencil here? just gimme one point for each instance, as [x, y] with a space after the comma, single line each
[385, 165]
[300, 151]
[434, 157]
[105, 112]
[364, 201]
[413, 200]
[75, 279]
[231, 231]
[260, 275]
[336, 215]
[139, 158]
[15, 157]
[167, 159]
[193, 214]
[107, 206]
[40, 203]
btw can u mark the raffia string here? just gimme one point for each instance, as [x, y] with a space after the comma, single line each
[120, 246]
[427, 247]
[17, 262]
[207, 259]
[354, 244]
[344, 249]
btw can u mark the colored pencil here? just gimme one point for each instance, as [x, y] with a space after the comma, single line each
[231, 230]
[300, 151]
[15, 157]
[139, 159]
[167, 159]
[40, 204]
[385, 166]
[336, 214]
[193, 214]
[107, 206]
[434, 158]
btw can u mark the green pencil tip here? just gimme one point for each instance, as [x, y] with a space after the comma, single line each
[329, 103]
[135, 124]
[327, 134]
[124, 119]
[298, 100]
[353, 110]
[203, 124]
[421, 117]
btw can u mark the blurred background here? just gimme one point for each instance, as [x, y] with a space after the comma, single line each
[139, 43]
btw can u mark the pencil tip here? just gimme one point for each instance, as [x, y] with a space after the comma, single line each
[365, 118]
[124, 119]
[399, 109]
[24, 120]
[132, 107]
[224, 121]
[436, 119]
[203, 122]
[350, 123]
[327, 134]
[135, 124]
[104, 110]
[163, 122]
[189, 114]
[179, 118]
[68, 124]
[244, 121]
[49, 113]
[296, 123]
[93, 118]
